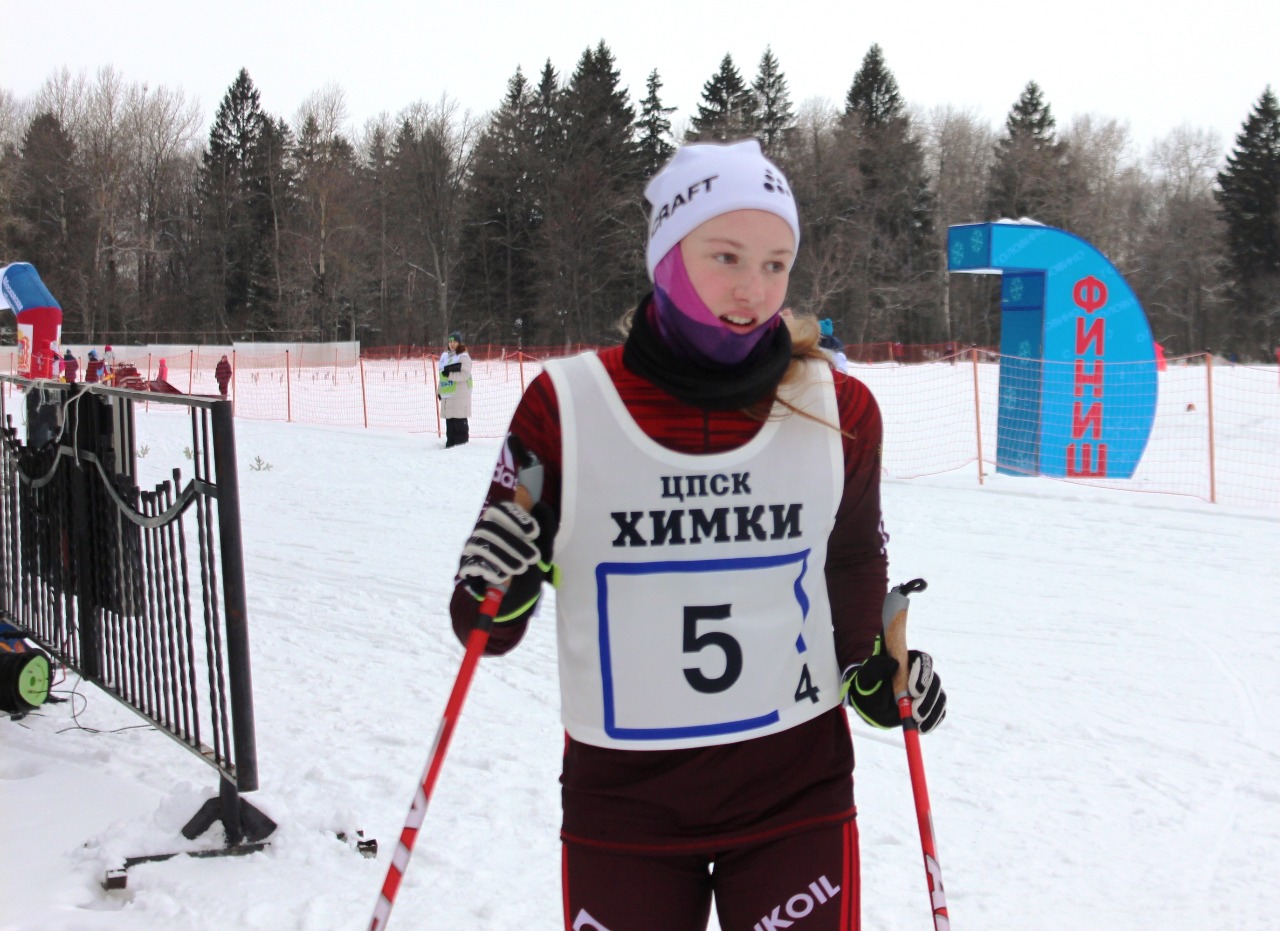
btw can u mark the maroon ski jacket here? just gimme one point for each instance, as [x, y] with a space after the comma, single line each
[709, 798]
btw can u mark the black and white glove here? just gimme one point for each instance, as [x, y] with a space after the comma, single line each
[451, 368]
[503, 545]
[868, 689]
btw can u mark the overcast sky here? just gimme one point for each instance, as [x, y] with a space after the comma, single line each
[1156, 66]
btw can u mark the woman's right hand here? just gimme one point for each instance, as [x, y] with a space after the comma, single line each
[503, 545]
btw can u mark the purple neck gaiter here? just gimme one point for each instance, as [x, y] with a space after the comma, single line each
[686, 323]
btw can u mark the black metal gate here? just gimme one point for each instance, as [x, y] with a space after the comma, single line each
[140, 591]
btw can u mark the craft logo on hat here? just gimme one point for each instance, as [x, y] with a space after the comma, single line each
[775, 183]
[705, 180]
[681, 198]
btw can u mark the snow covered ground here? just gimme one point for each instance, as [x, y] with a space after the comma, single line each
[1111, 757]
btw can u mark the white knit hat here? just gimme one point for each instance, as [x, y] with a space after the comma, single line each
[704, 180]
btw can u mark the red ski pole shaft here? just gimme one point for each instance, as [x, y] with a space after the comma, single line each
[418, 810]
[895, 639]
[476, 642]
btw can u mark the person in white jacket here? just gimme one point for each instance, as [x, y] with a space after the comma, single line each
[455, 391]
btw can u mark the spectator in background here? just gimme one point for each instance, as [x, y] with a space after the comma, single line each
[222, 372]
[828, 340]
[108, 364]
[70, 368]
[162, 373]
[455, 391]
[94, 368]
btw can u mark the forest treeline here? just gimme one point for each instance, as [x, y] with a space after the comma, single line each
[526, 225]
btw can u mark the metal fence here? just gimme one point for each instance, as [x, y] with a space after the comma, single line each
[139, 591]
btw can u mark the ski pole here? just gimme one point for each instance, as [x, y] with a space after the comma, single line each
[895, 639]
[527, 493]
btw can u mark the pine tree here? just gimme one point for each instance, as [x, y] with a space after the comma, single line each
[544, 114]
[1028, 178]
[874, 95]
[773, 119]
[51, 217]
[238, 211]
[503, 216]
[1249, 203]
[588, 244]
[597, 118]
[430, 164]
[727, 110]
[273, 204]
[655, 129]
[890, 208]
[375, 168]
[328, 233]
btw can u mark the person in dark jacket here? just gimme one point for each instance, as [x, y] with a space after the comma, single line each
[70, 368]
[94, 368]
[710, 494]
[222, 372]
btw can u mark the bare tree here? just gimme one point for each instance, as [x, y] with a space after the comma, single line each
[65, 96]
[816, 169]
[162, 128]
[14, 120]
[15, 114]
[959, 153]
[327, 269]
[1179, 277]
[431, 161]
[1105, 186]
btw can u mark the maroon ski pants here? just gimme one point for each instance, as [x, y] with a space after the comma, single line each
[803, 882]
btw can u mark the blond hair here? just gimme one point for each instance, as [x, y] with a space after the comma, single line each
[804, 349]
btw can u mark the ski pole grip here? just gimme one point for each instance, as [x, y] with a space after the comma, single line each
[894, 619]
[529, 484]
[895, 636]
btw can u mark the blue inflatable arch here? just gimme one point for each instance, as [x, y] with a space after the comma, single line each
[1078, 366]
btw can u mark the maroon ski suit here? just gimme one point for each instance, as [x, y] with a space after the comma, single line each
[772, 812]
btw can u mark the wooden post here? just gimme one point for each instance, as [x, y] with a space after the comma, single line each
[977, 410]
[435, 393]
[1213, 478]
[364, 400]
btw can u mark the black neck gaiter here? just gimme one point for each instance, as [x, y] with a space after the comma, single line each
[712, 387]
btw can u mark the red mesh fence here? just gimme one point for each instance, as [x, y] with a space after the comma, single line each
[1216, 434]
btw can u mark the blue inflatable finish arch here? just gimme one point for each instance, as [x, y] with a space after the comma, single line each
[1078, 373]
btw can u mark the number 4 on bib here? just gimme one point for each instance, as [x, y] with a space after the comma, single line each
[805, 688]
